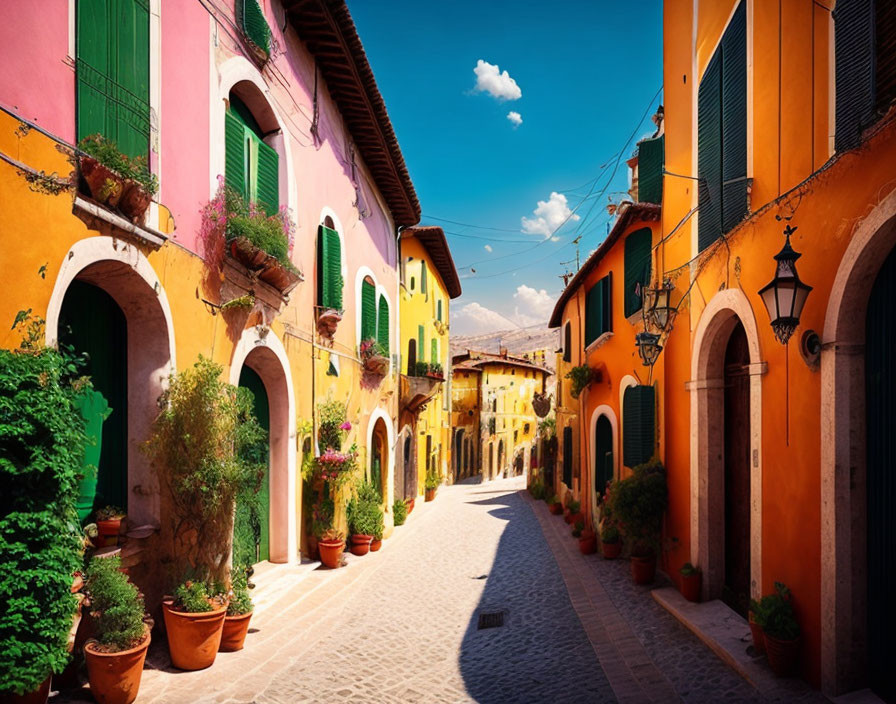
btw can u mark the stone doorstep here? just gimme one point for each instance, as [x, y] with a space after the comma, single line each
[727, 634]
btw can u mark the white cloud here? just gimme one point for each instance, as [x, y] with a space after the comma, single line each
[537, 305]
[490, 79]
[488, 248]
[475, 319]
[515, 118]
[549, 216]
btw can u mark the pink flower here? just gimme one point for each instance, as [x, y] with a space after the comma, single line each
[345, 426]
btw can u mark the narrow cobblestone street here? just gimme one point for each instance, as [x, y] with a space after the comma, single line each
[401, 625]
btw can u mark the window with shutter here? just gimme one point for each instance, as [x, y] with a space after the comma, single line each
[567, 456]
[234, 154]
[251, 166]
[434, 352]
[268, 183]
[421, 338]
[254, 25]
[638, 249]
[423, 275]
[722, 134]
[567, 342]
[598, 310]
[382, 324]
[439, 310]
[112, 72]
[854, 71]
[638, 433]
[329, 268]
[368, 310]
[650, 170]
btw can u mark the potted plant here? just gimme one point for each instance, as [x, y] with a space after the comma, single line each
[536, 489]
[588, 541]
[554, 505]
[577, 529]
[610, 541]
[638, 503]
[399, 512]
[780, 630]
[580, 377]
[116, 180]
[194, 620]
[328, 320]
[575, 512]
[198, 445]
[239, 612]
[432, 483]
[436, 372]
[421, 369]
[115, 656]
[753, 618]
[40, 536]
[108, 525]
[331, 545]
[365, 518]
[690, 582]
[373, 358]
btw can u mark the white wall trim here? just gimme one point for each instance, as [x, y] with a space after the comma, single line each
[377, 414]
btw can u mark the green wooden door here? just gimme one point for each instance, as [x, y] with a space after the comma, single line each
[252, 528]
[92, 323]
[603, 454]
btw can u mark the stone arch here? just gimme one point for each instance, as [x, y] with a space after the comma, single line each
[123, 272]
[240, 76]
[388, 469]
[263, 352]
[843, 468]
[716, 323]
[610, 415]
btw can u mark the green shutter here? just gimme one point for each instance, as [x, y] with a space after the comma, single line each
[650, 170]
[235, 154]
[434, 351]
[439, 310]
[709, 153]
[638, 430]
[734, 120]
[854, 34]
[567, 456]
[382, 325]
[607, 301]
[598, 310]
[423, 274]
[368, 311]
[112, 70]
[638, 248]
[421, 338]
[329, 269]
[254, 25]
[268, 187]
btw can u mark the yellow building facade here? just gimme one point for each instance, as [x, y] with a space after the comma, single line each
[428, 282]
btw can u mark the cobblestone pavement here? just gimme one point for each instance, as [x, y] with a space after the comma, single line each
[400, 625]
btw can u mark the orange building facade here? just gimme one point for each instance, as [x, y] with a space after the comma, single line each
[778, 455]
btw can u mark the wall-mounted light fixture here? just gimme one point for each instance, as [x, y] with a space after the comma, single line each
[649, 347]
[785, 296]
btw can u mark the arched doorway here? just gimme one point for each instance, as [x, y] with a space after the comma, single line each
[379, 457]
[736, 590]
[500, 468]
[259, 364]
[726, 332]
[458, 453]
[252, 522]
[603, 454]
[491, 460]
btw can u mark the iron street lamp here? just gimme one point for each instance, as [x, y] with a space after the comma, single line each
[659, 308]
[785, 296]
[648, 347]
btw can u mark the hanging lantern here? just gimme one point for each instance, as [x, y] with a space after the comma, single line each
[648, 347]
[785, 296]
[658, 306]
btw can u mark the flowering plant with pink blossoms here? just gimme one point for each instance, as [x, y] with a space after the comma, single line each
[337, 467]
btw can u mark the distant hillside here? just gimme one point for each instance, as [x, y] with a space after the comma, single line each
[517, 342]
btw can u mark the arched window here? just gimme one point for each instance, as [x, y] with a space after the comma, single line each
[412, 357]
[329, 266]
[382, 324]
[251, 166]
[567, 342]
[368, 309]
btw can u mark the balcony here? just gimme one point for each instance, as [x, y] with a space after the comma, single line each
[417, 391]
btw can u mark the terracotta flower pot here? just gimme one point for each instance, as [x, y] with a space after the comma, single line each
[105, 185]
[331, 552]
[555, 508]
[134, 202]
[376, 544]
[37, 696]
[574, 518]
[377, 365]
[588, 544]
[115, 677]
[430, 494]
[234, 633]
[108, 532]
[643, 569]
[690, 586]
[758, 635]
[783, 655]
[361, 544]
[611, 550]
[193, 639]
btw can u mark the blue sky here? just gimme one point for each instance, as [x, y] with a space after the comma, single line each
[580, 75]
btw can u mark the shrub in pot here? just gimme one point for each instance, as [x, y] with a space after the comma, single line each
[116, 655]
[780, 630]
[577, 529]
[42, 441]
[116, 180]
[575, 512]
[239, 611]
[536, 489]
[588, 541]
[194, 620]
[690, 582]
[197, 445]
[331, 545]
[610, 541]
[365, 518]
[638, 503]
[108, 524]
[554, 506]
[753, 618]
[399, 512]
[433, 480]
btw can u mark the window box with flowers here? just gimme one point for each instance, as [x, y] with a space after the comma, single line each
[115, 180]
[373, 358]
